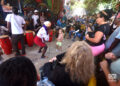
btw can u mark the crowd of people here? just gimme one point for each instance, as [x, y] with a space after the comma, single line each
[76, 66]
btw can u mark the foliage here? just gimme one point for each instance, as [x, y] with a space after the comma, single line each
[92, 5]
[30, 3]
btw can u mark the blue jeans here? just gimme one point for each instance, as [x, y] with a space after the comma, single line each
[70, 33]
[78, 35]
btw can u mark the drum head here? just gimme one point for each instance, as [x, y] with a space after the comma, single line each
[3, 36]
[29, 31]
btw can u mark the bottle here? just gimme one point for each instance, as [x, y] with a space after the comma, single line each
[45, 82]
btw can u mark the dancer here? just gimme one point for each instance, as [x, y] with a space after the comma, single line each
[43, 36]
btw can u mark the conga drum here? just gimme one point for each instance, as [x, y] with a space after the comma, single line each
[50, 35]
[30, 38]
[5, 44]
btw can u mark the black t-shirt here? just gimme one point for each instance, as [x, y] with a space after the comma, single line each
[105, 29]
[62, 78]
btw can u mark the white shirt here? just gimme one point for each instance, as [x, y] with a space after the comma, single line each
[16, 23]
[35, 18]
[43, 34]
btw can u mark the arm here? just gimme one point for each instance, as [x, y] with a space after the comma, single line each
[114, 44]
[2, 2]
[97, 38]
[24, 27]
[8, 25]
[58, 57]
[104, 66]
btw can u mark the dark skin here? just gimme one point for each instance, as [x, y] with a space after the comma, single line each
[116, 41]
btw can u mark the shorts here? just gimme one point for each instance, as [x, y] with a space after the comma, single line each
[59, 43]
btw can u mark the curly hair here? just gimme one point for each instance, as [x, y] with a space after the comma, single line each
[18, 71]
[79, 62]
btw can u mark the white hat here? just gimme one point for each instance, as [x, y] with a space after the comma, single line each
[47, 23]
[35, 11]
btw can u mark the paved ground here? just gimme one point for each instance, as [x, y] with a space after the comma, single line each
[32, 52]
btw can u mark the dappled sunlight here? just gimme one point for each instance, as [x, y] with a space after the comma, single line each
[78, 9]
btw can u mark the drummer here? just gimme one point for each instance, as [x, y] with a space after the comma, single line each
[16, 22]
[43, 36]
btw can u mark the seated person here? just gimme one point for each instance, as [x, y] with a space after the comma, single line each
[72, 29]
[112, 43]
[18, 71]
[113, 46]
[114, 69]
[98, 39]
[59, 22]
[72, 69]
[78, 32]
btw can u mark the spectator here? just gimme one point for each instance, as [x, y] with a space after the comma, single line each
[18, 71]
[35, 17]
[112, 44]
[115, 69]
[98, 37]
[72, 70]
[42, 18]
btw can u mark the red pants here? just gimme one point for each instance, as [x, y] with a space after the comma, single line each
[38, 41]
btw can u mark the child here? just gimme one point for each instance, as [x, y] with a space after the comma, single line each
[59, 39]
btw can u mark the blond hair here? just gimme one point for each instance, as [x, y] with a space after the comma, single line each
[79, 62]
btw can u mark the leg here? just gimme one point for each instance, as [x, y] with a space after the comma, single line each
[56, 46]
[22, 43]
[74, 37]
[78, 35]
[39, 51]
[15, 39]
[70, 33]
[44, 51]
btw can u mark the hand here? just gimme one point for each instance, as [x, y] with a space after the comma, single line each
[89, 29]
[104, 65]
[110, 55]
[87, 36]
[53, 59]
